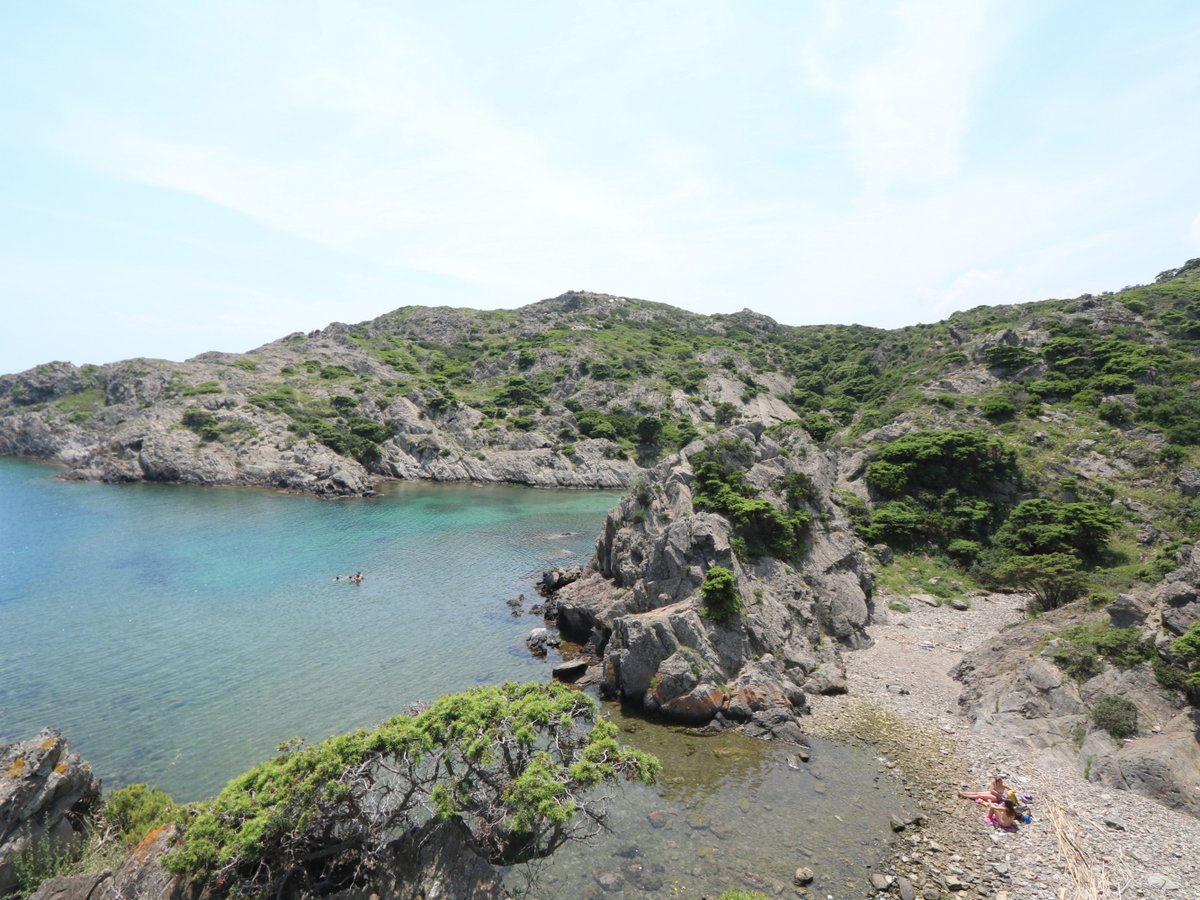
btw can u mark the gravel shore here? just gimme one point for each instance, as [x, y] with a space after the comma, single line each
[1086, 840]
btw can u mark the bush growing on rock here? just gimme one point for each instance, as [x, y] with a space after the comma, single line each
[513, 763]
[1054, 579]
[1180, 670]
[1116, 715]
[134, 811]
[939, 486]
[1081, 651]
[719, 594]
[1041, 526]
[760, 527]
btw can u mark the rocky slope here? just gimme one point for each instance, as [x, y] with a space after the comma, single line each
[1041, 683]
[639, 603]
[925, 439]
[569, 392]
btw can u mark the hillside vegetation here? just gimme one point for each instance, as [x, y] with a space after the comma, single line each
[961, 429]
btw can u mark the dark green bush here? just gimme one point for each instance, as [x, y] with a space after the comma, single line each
[719, 594]
[202, 422]
[1116, 715]
[998, 407]
[1007, 358]
[1083, 649]
[1041, 526]
[760, 527]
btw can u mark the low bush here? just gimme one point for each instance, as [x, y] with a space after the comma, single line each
[719, 594]
[134, 811]
[1116, 715]
[1083, 650]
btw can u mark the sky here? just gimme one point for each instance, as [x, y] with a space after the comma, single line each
[184, 177]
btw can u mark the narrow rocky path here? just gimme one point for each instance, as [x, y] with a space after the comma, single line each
[1086, 840]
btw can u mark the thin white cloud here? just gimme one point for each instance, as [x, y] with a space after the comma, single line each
[905, 76]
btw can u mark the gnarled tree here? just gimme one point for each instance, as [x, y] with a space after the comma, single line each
[517, 764]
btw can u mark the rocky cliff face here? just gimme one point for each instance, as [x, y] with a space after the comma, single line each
[1014, 685]
[433, 394]
[47, 794]
[639, 603]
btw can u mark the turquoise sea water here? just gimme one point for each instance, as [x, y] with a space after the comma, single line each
[178, 634]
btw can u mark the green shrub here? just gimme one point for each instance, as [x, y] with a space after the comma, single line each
[513, 764]
[1116, 715]
[1083, 650]
[134, 811]
[39, 860]
[1054, 579]
[1041, 526]
[998, 407]
[760, 527]
[1114, 413]
[1181, 671]
[719, 594]
[202, 422]
[1007, 358]
[939, 486]
[963, 551]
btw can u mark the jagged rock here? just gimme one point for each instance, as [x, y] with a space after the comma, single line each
[639, 597]
[1016, 687]
[46, 793]
[75, 887]
[1126, 612]
[1187, 482]
[571, 670]
[553, 580]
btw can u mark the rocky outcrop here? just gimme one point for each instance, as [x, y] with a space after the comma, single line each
[46, 794]
[638, 602]
[434, 861]
[1013, 687]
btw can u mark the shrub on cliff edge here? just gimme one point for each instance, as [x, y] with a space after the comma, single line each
[515, 764]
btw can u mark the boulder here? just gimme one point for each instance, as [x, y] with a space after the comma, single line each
[46, 794]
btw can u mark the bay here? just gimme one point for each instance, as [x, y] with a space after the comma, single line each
[178, 634]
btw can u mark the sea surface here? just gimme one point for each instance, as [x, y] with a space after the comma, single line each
[177, 635]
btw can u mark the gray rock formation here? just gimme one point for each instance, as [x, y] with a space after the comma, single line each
[435, 861]
[638, 600]
[46, 794]
[1013, 686]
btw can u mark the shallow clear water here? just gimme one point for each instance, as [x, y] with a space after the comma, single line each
[178, 634]
[729, 813]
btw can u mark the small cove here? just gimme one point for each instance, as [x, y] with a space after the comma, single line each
[177, 634]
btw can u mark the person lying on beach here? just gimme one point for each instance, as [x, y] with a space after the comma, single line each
[1002, 815]
[998, 792]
